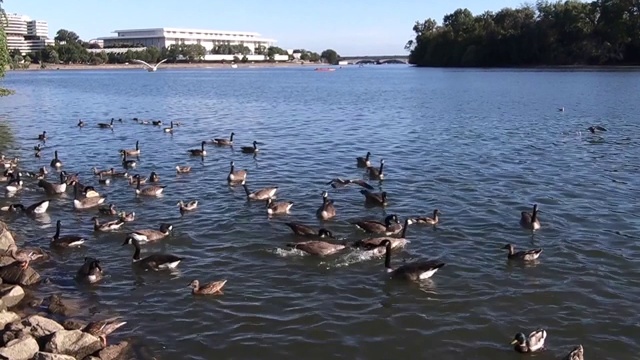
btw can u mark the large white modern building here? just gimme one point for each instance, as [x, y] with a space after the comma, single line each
[165, 37]
[25, 34]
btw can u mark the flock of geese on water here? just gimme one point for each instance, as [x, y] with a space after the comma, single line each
[386, 236]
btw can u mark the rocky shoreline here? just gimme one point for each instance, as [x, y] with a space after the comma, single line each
[43, 329]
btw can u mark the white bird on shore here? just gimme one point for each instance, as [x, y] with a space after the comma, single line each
[147, 66]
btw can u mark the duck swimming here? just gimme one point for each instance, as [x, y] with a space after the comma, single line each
[528, 344]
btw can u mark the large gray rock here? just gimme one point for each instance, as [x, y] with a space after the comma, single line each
[6, 238]
[39, 326]
[114, 352]
[7, 317]
[20, 349]
[15, 274]
[74, 343]
[41, 355]
[12, 295]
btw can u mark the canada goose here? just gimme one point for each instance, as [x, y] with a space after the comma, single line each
[327, 210]
[278, 208]
[127, 217]
[9, 164]
[409, 271]
[338, 183]
[6, 175]
[103, 181]
[427, 220]
[530, 220]
[526, 255]
[22, 256]
[43, 136]
[183, 169]
[153, 177]
[132, 152]
[376, 174]
[213, 288]
[81, 123]
[35, 209]
[106, 125]
[372, 245]
[90, 271]
[377, 199]
[103, 328]
[37, 154]
[364, 162]
[65, 241]
[15, 183]
[189, 206]
[107, 226]
[154, 261]
[262, 194]
[56, 163]
[561, 109]
[102, 172]
[133, 180]
[87, 191]
[70, 179]
[152, 190]
[534, 342]
[596, 128]
[577, 353]
[305, 230]
[53, 189]
[224, 142]
[150, 235]
[169, 129]
[250, 149]
[317, 247]
[109, 210]
[236, 177]
[127, 163]
[199, 152]
[87, 202]
[391, 226]
[156, 122]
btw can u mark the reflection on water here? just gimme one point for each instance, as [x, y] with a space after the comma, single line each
[481, 146]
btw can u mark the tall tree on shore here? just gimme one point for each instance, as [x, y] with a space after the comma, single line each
[330, 56]
[600, 32]
[4, 50]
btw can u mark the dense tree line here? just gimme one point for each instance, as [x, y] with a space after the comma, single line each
[600, 32]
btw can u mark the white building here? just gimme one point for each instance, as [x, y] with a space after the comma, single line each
[25, 34]
[165, 37]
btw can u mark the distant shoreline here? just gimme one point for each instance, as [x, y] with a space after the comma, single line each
[53, 67]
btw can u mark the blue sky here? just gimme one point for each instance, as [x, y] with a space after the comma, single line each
[351, 27]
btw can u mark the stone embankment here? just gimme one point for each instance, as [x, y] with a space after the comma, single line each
[38, 336]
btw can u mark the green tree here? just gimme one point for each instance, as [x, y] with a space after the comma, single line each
[551, 33]
[4, 50]
[330, 56]
[272, 51]
[64, 35]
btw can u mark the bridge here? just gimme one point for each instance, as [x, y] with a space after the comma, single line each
[376, 59]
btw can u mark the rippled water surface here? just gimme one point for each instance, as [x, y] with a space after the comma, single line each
[481, 146]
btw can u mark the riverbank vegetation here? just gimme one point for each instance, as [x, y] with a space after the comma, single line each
[4, 52]
[70, 49]
[601, 32]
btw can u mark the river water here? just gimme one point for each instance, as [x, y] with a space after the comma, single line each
[479, 145]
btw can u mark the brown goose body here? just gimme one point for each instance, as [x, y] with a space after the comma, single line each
[317, 247]
[525, 255]
[212, 288]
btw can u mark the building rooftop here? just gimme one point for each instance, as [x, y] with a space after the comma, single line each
[189, 30]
